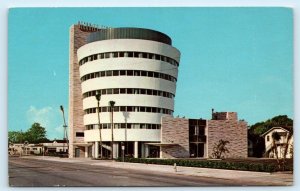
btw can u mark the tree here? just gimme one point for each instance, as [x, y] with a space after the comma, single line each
[277, 121]
[258, 144]
[291, 151]
[219, 149]
[15, 136]
[112, 104]
[36, 134]
[286, 147]
[275, 138]
[98, 98]
[255, 131]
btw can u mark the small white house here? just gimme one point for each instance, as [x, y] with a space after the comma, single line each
[56, 146]
[24, 149]
[15, 149]
[34, 149]
[280, 145]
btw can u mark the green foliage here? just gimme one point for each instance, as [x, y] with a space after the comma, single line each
[275, 136]
[245, 166]
[35, 134]
[16, 137]
[277, 121]
[260, 130]
[255, 131]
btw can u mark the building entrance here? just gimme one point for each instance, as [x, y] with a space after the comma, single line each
[196, 150]
[77, 152]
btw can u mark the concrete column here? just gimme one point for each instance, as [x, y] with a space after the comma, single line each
[93, 151]
[86, 150]
[71, 150]
[116, 150]
[96, 149]
[147, 151]
[160, 153]
[143, 150]
[136, 149]
[205, 151]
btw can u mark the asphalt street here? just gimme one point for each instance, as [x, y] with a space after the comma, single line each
[38, 173]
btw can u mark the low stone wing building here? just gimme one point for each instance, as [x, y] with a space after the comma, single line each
[184, 138]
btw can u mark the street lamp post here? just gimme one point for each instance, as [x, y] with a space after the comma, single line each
[25, 145]
[65, 129]
[123, 151]
[112, 104]
[98, 97]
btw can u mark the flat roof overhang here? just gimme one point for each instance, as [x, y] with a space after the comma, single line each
[82, 144]
[162, 144]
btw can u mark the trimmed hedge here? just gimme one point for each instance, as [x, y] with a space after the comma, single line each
[245, 166]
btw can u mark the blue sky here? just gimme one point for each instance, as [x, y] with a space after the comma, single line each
[232, 59]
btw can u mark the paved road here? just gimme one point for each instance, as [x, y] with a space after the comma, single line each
[31, 172]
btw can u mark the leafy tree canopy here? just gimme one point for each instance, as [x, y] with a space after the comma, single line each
[36, 134]
[255, 131]
[15, 136]
[277, 121]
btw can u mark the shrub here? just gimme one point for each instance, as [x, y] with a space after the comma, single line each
[245, 166]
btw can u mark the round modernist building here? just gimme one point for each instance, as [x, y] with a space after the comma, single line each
[137, 69]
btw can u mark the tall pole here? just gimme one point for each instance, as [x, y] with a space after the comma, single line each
[65, 128]
[126, 114]
[98, 97]
[112, 104]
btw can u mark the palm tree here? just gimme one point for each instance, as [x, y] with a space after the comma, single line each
[276, 137]
[112, 104]
[220, 149]
[289, 137]
[98, 97]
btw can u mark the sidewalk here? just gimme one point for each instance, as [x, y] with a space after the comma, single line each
[261, 178]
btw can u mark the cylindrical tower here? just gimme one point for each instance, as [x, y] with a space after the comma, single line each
[137, 68]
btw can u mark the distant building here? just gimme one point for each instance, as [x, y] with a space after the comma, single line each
[55, 146]
[280, 145]
[52, 147]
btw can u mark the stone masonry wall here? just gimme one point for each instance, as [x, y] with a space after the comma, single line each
[224, 116]
[175, 130]
[231, 130]
[77, 39]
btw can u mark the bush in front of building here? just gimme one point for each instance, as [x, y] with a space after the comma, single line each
[218, 164]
